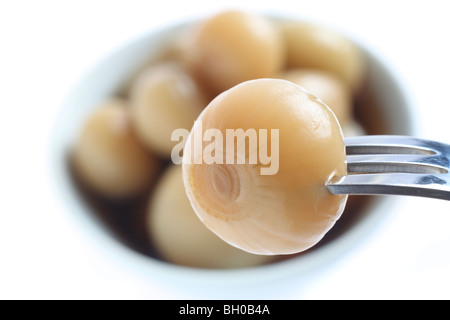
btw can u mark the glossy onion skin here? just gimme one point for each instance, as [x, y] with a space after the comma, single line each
[109, 158]
[284, 213]
[232, 47]
[326, 85]
[317, 47]
[181, 238]
[164, 98]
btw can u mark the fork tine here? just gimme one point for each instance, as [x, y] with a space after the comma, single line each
[421, 185]
[408, 163]
[377, 144]
[397, 165]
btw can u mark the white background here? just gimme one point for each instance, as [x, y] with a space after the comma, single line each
[46, 46]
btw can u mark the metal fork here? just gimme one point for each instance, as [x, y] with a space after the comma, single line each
[395, 165]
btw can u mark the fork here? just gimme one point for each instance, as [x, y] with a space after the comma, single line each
[395, 165]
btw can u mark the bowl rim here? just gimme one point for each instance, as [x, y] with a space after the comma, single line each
[144, 265]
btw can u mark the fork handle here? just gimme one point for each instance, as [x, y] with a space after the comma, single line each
[403, 184]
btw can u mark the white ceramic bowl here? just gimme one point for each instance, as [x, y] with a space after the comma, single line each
[111, 75]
